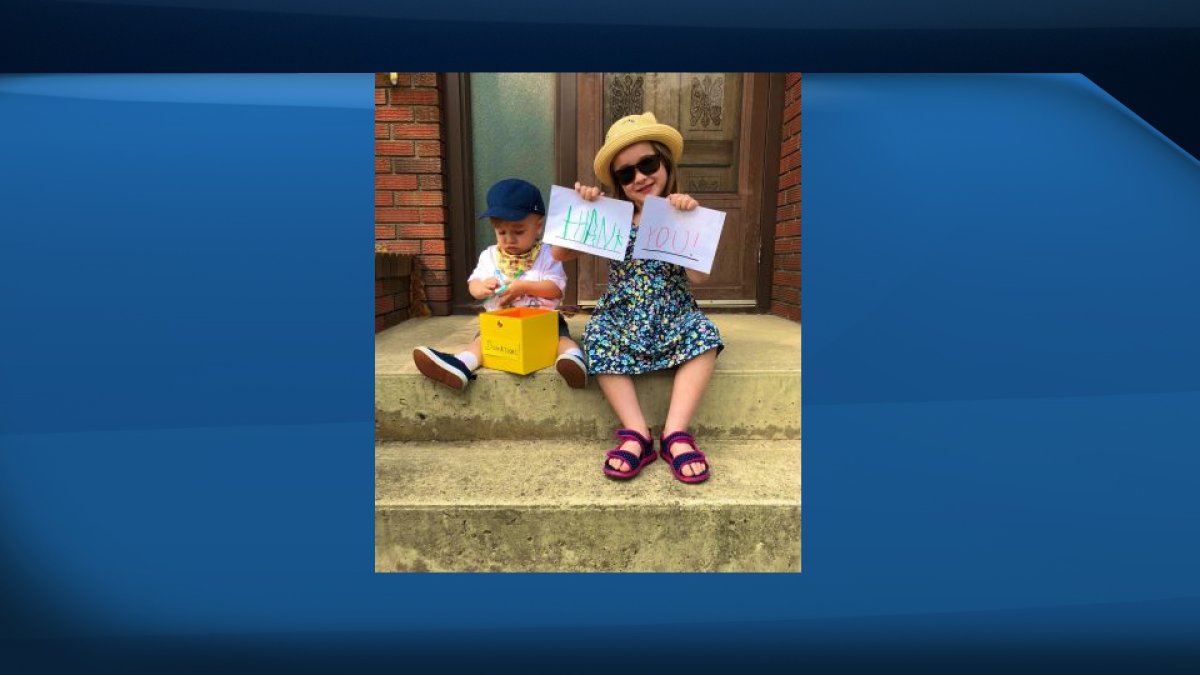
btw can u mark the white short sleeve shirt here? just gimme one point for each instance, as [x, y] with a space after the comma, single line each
[545, 268]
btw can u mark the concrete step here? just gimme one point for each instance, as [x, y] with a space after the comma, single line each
[545, 506]
[754, 392]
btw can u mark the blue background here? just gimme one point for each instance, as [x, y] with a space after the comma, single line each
[999, 365]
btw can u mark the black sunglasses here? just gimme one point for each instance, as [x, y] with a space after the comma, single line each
[647, 165]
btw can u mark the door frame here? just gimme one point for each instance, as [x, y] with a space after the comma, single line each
[460, 195]
[459, 174]
[764, 97]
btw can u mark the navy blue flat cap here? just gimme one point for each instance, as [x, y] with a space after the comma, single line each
[513, 199]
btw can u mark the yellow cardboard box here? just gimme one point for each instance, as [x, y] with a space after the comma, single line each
[519, 340]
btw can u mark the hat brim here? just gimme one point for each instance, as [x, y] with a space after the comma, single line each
[662, 133]
[505, 213]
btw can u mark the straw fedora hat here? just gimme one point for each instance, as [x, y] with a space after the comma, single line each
[634, 129]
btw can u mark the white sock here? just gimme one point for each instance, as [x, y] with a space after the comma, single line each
[468, 360]
[575, 351]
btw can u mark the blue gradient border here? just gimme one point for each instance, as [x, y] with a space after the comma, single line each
[1143, 53]
[1000, 381]
[1000, 377]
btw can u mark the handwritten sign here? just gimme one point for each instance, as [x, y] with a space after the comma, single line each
[600, 227]
[687, 238]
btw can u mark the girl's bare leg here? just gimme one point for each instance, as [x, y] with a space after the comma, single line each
[691, 379]
[622, 396]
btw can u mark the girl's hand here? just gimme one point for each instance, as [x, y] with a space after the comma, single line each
[682, 202]
[588, 193]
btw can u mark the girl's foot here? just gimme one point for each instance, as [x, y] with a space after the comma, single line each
[631, 446]
[680, 447]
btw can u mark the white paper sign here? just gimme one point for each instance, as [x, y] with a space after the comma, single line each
[600, 227]
[687, 238]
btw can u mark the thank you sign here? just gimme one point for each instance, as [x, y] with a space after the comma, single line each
[599, 227]
[686, 238]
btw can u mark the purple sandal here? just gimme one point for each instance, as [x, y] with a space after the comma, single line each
[636, 463]
[677, 462]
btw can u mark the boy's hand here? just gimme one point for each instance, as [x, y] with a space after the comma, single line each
[481, 290]
[682, 202]
[515, 290]
[589, 194]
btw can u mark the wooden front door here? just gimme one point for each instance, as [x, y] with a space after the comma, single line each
[723, 119]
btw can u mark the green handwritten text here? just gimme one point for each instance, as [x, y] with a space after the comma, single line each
[590, 229]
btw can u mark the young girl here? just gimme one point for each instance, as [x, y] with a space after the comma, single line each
[648, 319]
[517, 271]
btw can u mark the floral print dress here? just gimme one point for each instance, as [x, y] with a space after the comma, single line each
[647, 320]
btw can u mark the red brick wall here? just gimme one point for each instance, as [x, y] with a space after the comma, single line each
[410, 200]
[785, 281]
[393, 292]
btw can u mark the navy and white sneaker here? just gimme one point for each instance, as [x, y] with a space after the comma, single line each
[572, 370]
[442, 367]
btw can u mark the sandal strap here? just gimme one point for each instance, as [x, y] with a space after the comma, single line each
[689, 457]
[631, 435]
[633, 460]
[678, 437]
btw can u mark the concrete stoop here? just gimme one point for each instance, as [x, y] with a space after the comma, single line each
[506, 475]
[545, 506]
[754, 391]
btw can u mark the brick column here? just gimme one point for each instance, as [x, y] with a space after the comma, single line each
[410, 200]
[393, 290]
[785, 282]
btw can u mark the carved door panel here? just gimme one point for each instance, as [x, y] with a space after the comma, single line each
[721, 117]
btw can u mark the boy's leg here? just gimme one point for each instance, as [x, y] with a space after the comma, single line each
[570, 363]
[565, 344]
[453, 370]
[475, 349]
[622, 397]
